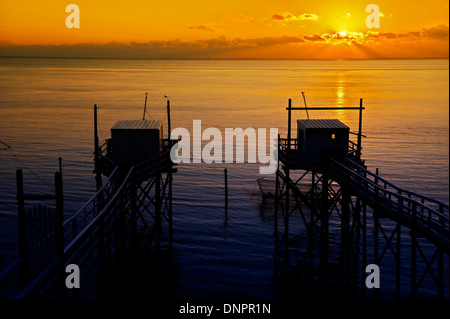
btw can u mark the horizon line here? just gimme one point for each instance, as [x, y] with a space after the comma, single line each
[233, 59]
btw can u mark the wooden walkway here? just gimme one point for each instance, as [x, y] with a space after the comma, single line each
[427, 216]
[89, 236]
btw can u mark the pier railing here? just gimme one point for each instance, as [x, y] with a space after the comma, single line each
[83, 233]
[81, 247]
[428, 217]
[78, 221]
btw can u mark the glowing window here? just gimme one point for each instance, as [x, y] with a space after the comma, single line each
[333, 136]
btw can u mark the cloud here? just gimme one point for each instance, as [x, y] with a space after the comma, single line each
[314, 37]
[440, 31]
[278, 17]
[201, 27]
[151, 49]
[389, 35]
[287, 16]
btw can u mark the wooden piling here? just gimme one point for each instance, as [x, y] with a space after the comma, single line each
[360, 128]
[226, 189]
[413, 250]
[59, 233]
[168, 121]
[22, 229]
[98, 176]
[324, 229]
[289, 123]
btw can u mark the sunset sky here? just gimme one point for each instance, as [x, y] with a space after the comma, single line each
[282, 29]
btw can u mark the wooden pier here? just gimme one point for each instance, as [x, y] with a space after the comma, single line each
[341, 184]
[102, 235]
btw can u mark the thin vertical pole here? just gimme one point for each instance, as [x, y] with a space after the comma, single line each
[277, 187]
[22, 228]
[60, 173]
[168, 121]
[441, 261]
[133, 219]
[345, 225]
[313, 195]
[440, 273]
[398, 261]
[145, 106]
[59, 232]
[95, 136]
[360, 127]
[277, 198]
[98, 177]
[286, 212]
[413, 251]
[324, 229]
[306, 107]
[226, 189]
[289, 123]
[21, 211]
[158, 219]
[60, 165]
[376, 226]
[59, 212]
[170, 208]
[364, 244]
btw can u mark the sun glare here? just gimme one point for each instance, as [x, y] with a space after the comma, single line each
[343, 33]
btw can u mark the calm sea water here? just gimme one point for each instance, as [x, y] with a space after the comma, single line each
[46, 111]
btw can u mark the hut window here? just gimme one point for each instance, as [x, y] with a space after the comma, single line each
[333, 136]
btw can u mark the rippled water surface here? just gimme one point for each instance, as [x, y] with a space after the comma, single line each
[46, 111]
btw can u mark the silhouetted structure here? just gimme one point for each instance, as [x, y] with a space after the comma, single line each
[102, 236]
[331, 178]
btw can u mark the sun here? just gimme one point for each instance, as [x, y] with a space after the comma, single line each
[343, 33]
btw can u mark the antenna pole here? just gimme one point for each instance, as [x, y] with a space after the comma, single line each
[145, 106]
[306, 107]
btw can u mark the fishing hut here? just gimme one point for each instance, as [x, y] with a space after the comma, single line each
[134, 141]
[321, 176]
[327, 136]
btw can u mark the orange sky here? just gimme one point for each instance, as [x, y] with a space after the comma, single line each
[285, 29]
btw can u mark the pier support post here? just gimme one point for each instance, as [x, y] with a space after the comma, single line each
[324, 229]
[21, 221]
[133, 221]
[59, 232]
[398, 260]
[158, 213]
[169, 212]
[98, 176]
[364, 248]
[277, 198]
[360, 129]
[286, 210]
[345, 229]
[413, 251]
